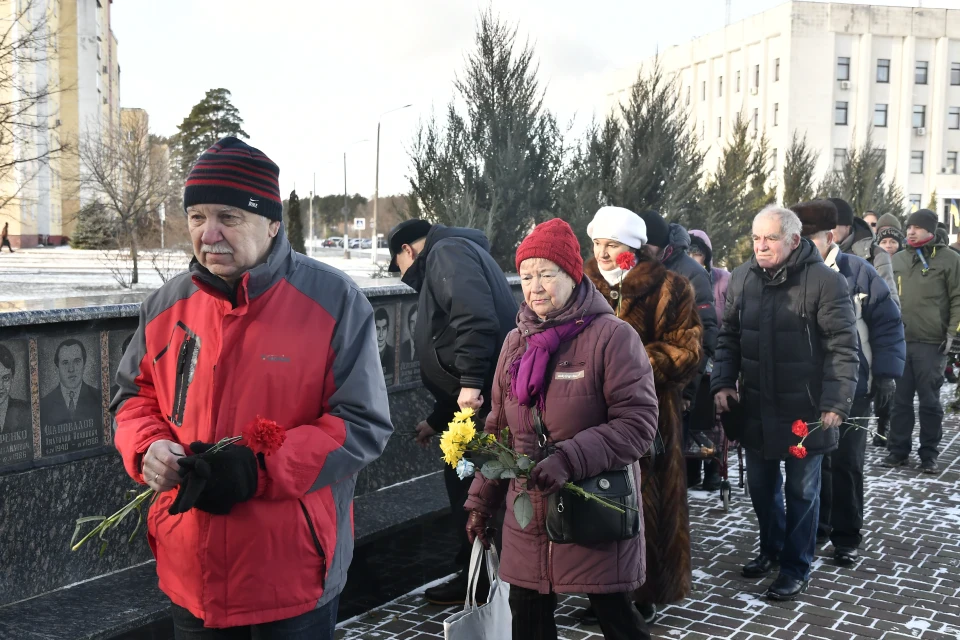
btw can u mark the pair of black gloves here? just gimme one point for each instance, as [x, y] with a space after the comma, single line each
[216, 482]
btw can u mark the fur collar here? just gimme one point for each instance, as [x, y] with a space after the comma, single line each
[648, 275]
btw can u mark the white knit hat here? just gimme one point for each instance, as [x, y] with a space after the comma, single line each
[617, 223]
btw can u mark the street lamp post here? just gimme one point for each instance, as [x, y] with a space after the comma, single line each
[346, 226]
[376, 185]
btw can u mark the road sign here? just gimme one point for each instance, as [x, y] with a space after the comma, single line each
[359, 224]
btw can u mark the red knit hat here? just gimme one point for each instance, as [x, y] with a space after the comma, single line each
[553, 240]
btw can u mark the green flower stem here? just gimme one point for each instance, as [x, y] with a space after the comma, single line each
[586, 495]
[111, 521]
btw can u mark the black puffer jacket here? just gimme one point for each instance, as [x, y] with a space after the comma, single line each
[466, 310]
[793, 337]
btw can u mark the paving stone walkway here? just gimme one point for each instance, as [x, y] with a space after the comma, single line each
[906, 586]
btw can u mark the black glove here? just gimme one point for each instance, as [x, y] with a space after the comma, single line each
[884, 388]
[216, 482]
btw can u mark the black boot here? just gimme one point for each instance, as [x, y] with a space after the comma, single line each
[454, 592]
[785, 588]
[711, 480]
[880, 440]
[759, 566]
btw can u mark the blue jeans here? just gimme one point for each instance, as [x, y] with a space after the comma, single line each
[791, 533]
[318, 624]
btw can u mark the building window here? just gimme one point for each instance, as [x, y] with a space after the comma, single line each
[756, 120]
[919, 116]
[883, 71]
[951, 161]
[955, 73]
[756, 76]
[773, 160]
[880, 115]
[703, 91]
[720, 86]
[916, 162]
[920, 76]
[843, 68]
[839, 158]
[776, 113]
[738, 82]
[840, 114]
[953, 118]
[776, 70]
[719, 127]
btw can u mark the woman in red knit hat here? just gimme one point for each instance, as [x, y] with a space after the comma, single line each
[576, 390]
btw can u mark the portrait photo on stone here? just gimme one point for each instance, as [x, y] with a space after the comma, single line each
[16, 415]
[71, 398]
[384, 318]
[409, 359]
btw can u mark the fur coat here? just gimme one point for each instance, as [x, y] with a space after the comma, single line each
[659, 305]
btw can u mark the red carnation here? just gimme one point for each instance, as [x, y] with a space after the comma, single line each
[626, 260]
[264, 436]
[800, 429]
[798, 451]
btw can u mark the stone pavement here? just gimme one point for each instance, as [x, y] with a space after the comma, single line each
[906, 586]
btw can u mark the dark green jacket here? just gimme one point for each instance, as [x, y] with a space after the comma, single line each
[929, 294]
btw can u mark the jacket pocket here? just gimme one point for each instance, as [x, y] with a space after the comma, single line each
[313, 534]
[187, 354]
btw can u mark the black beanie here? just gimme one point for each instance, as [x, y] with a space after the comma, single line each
[235, 174]
[844, 212]
[658, 230]
[925, 219]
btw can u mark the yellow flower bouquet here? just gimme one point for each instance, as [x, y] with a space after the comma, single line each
[499, 461]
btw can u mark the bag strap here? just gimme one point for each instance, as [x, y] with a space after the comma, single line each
[539, 427]
[493, 572]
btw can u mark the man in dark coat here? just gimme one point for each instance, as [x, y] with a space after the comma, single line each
[73, 400]
[882, 353]
[465, 311]
[381, 319]
[790, 331]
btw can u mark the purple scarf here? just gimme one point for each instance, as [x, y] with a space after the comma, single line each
[527, 372]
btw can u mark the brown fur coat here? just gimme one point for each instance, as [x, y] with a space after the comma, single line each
[660, 305]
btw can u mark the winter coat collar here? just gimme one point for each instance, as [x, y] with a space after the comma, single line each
[648, 275]
[861, 231]
[584, 301]
[254, 282]
[832, 254]
[417, 272]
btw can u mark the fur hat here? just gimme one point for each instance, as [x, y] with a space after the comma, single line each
[844, 212]
[816, 215]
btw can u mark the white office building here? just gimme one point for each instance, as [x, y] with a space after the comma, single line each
[831, 71]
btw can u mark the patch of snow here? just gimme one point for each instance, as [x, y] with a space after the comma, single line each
[675, 632]
[700, 575]
[751, 600]
[918, 624]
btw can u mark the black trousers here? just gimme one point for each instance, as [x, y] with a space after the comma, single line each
[6, 243]
[458, 490]
[923, 377]
[534, 619]
[841, 483]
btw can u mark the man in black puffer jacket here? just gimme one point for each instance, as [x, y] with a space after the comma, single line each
[789, 329]
[465, 311]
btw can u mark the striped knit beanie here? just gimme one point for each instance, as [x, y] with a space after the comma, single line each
[234, 173]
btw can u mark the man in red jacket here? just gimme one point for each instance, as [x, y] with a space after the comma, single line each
[253, 329]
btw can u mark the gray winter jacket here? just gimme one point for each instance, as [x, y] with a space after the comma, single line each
[861, 242]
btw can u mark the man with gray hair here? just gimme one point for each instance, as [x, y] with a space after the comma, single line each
[789, 334]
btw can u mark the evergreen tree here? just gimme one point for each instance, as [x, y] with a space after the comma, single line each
[736, 192]
[95, 229]
[212, 118]
[294, 223]
[932, 205]
[497, 166]
[799, 172]
[861, 182]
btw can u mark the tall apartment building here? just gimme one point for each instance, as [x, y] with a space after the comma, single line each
[75, 57]
[832, 72]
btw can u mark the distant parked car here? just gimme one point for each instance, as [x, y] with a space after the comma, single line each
[366, 243]
[333, 242]
[382, 243]
[354, 243]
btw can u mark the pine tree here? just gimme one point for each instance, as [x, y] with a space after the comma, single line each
[95, 229]
[861, 182]
[294, 223]
[932, 205]
[799, 172]
[497, 166]
[212, 118]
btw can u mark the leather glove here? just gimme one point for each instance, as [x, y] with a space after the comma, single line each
[215, 483]
[884, 388]
[551, 473]
[477, 528]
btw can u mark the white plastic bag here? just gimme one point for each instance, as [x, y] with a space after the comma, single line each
[492, 621]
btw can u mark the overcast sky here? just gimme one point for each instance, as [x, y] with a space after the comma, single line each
[311, 77]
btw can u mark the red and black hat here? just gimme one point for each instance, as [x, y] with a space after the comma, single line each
[233, 173]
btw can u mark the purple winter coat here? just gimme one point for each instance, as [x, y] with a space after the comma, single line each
[601, 411]
[719, 277]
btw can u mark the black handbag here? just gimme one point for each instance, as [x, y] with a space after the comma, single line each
[572, 519]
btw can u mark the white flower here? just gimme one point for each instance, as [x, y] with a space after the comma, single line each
[465, 469]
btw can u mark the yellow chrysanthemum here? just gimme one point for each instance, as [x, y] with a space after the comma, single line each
[454, 441]
[463, 415]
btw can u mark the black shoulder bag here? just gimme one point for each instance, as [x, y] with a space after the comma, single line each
[572, 519]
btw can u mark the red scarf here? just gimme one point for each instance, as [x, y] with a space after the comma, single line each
[917, 245]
